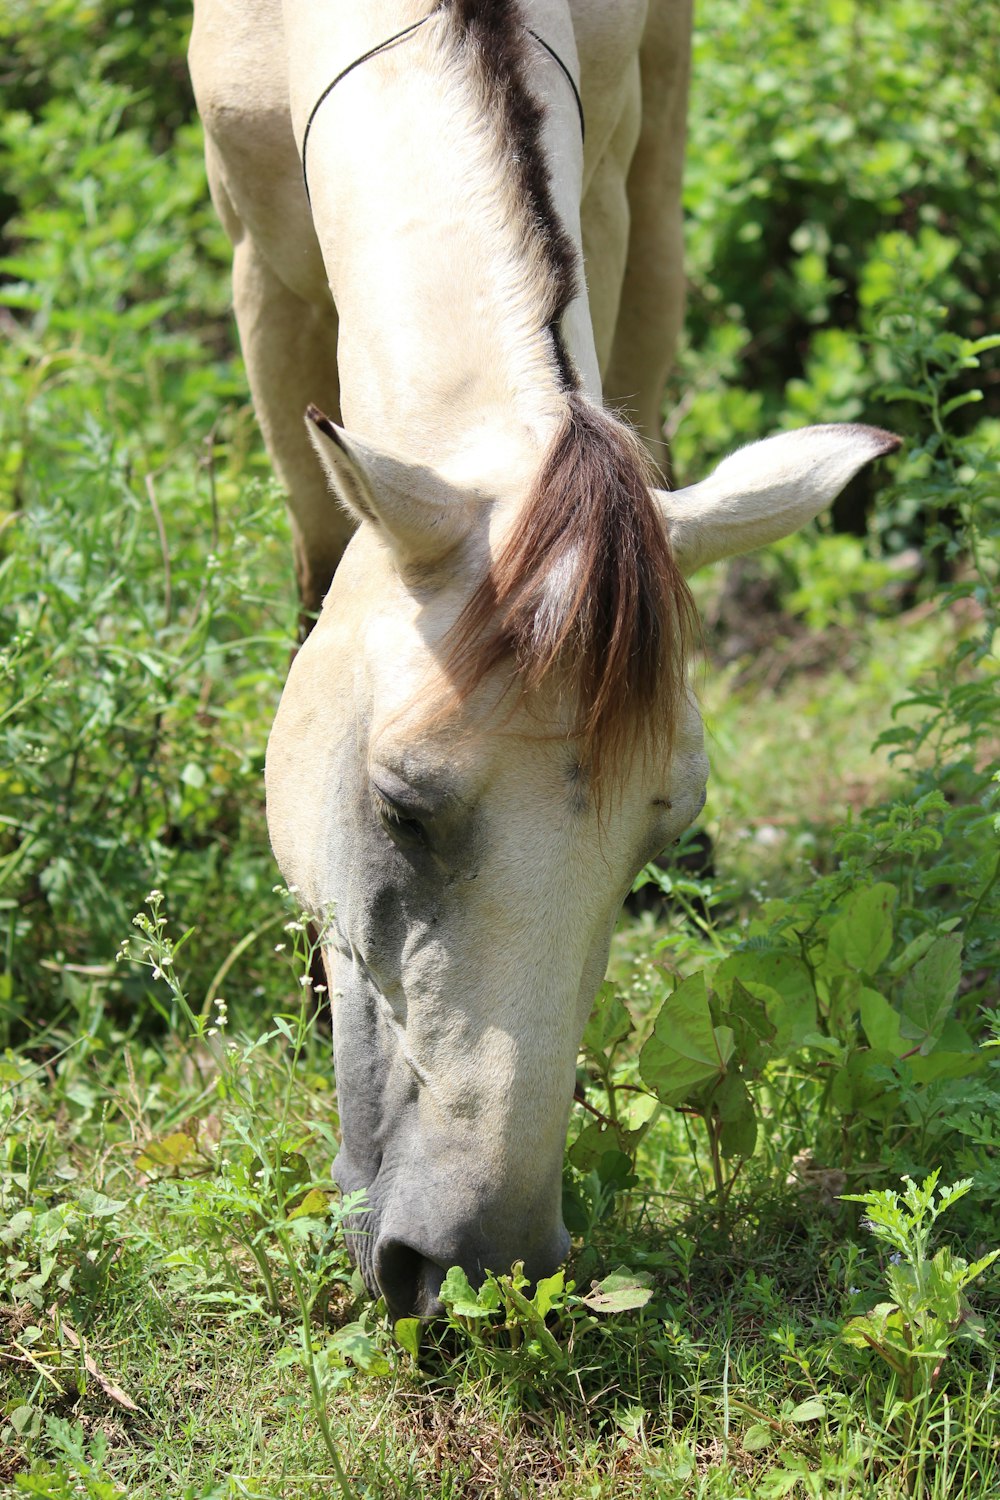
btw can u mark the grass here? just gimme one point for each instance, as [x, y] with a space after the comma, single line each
[161, 1354]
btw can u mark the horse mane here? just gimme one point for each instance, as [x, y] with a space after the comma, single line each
[585, 592]
[493, 36]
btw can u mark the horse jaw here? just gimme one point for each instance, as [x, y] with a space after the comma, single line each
[767, 490]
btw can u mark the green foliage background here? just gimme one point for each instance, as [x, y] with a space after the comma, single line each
[835, 149]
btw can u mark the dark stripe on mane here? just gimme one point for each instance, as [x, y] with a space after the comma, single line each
[586, 593]
[494, 34]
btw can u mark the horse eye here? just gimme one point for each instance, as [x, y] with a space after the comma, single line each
[398, 822]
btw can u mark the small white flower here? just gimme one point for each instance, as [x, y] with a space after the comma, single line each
[280, 947]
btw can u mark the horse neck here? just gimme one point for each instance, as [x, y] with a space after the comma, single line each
[437, 271]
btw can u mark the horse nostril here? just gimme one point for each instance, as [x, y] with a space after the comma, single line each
[409, 1282]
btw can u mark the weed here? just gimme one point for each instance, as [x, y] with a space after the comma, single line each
[915, 1332]
[264, 1199]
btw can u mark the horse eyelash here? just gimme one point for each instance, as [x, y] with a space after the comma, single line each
[390, 813]
[384, 808]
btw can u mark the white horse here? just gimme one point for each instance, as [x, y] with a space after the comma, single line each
[487, 733]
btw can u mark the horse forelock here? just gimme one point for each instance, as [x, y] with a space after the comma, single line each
[585, 593]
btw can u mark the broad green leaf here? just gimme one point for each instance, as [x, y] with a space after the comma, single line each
[599, 1146]
[725, 1043]
[616, 1170]
[459, 1298]
[747, 1018]
[914, 949]
[684, 1050]
[732, 1099]
[756, 1437]
[17, 1225]
[751, 1009]
[548, 1291]
[861, 937]
[167, 1154]
[858, 1089]
[949, 1059]
[631, 1420]
[489, 1294]
[315, 1204]
[929, 989]
[99, 1206]
[807, 1411]
[609, 1022]
[781, 982]
[739, 1137]
[955, 1038]
[355, 1344]
[881, 1023]
[184, 1257]
[636, 1110]
[575, 1210]
[20, 1418]
[829, 1044]
[406, 1332]
[858, 1332]
[621, 1291]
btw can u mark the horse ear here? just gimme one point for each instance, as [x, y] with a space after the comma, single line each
[767, 490]
[418, 513]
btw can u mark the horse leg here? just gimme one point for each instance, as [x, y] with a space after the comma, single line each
[651, 308]
[290, 349]
[604, 220]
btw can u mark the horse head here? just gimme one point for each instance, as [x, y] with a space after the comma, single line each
[485, 737]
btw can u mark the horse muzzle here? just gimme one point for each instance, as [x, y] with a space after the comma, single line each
[405, 1241]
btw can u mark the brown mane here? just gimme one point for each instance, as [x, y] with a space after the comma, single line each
[585, 591]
